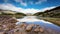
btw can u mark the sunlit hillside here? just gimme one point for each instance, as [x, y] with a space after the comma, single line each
[12, 13]
[55, 12]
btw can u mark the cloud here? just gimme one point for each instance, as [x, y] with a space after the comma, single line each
[5, 1]
[48, 8]
[13, 8]
[21, 2]
[25, 2]
[31, 10]
[31, 2]
[9, 7]
[40, 1]
[19, 9]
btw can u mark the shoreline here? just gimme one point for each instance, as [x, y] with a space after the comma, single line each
[55, 21]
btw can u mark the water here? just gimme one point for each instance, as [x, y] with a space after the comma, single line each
[34, 20]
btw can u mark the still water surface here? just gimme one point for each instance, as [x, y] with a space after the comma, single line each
[34, 20]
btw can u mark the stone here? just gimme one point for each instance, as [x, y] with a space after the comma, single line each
[1, 32]
[37, 29]
[41, 30]
[29, 27]
[22, 25]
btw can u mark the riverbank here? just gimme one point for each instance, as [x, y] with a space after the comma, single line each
[53, 20]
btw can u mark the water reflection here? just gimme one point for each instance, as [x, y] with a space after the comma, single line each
[34, 20]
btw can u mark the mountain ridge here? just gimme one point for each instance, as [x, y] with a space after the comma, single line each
[55, 12]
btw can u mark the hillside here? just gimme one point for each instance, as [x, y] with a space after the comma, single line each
[55, 12]
[52, 15]
[12, 13]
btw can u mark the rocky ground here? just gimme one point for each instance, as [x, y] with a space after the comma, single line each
[8, 26]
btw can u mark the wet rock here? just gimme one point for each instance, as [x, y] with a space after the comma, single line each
[7, 22]
[9, 26]
[23, 25]
[19, 31]
[29, 27]
[1, 27]
[7, 19]
[1, 32]
[41, 30]
[37, 29]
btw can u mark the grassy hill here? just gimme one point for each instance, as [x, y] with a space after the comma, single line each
[12, 13]
[52, 15]
[55, 12]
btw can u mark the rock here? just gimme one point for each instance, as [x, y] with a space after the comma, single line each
[1, 27]
[7, 22]
[9, 26]
[29, 27]
[37, 29]
[1, 32]
[23, 25]
[6, 29]
[41, 30]
[19, 31]
[7, 19]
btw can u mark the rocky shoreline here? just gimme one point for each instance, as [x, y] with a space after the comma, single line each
[8, 26]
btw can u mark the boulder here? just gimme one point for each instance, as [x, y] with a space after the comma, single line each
[29, 27]
[37, 29]
[7, 22]
[1, 32]
[41, 30]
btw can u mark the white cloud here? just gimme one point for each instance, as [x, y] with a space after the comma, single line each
[21, 2]
[40, 1]
[13, 8]
[31, 2]
[9, 7]
[28, 10]
[24, 4]
[48, 8]
[31, 10]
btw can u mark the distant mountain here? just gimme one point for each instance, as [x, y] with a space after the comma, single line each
[12, 13]
[9, 12]
[55, 12]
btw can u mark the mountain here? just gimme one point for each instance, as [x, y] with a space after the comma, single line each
[55, 12]
[12, 13]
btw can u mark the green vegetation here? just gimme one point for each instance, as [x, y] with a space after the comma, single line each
[52, 15]
[52, 20]
[12, 13]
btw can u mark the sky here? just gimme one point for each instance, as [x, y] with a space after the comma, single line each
[29, 6]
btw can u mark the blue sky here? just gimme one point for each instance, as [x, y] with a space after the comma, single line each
[30, 4]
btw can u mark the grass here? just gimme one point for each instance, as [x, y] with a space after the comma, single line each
[16, 16]
[52, 20]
